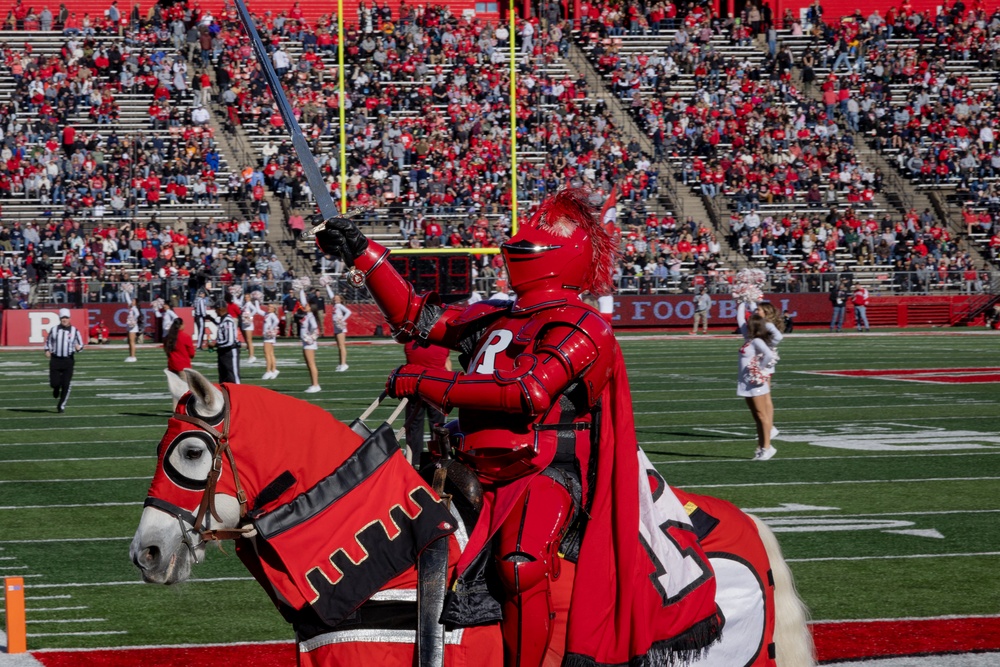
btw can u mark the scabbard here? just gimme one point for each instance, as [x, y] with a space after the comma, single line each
[432, 584]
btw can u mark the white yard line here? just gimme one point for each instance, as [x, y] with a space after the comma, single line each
[906, 455]
[78, 458]
[39, 429]
[136, 582]
[945, 617]
[78, 634]
[68, 539]
[68, 620]
[64, 443]
[902, 557]
[70, 481]
[66, 506]
[34, 598]
[843, 481]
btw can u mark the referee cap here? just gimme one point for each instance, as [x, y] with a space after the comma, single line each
[63, 312]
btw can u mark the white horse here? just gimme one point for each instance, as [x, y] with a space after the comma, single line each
[235, 457]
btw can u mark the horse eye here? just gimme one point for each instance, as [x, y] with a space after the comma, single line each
[193, 454]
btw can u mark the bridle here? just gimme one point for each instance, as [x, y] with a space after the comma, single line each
[220, 439]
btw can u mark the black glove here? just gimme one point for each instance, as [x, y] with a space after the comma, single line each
[342, 238]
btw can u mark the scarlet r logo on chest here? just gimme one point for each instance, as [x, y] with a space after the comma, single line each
[496, 341]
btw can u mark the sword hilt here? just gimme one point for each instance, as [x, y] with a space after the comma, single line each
[351, 213]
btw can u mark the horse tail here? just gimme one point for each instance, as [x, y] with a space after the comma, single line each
[792, 639]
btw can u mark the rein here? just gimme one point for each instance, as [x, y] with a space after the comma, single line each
[221, 439]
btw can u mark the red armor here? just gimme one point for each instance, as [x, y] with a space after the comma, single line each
[534, 373]
[527, 399]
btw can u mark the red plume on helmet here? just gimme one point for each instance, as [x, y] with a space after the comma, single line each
[563, 245]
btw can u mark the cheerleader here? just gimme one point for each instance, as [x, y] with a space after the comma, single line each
[758, 356]
[308, 333]
[271, 325]
[248, 311]
[340, 315]
[133, 323]
[754, 384]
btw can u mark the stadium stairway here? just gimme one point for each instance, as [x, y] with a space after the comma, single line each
[242, 154]
[902, 193]
[133, 123]
[682, 202]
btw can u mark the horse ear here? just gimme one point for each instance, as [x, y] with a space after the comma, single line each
[178, 387]
[208, 398]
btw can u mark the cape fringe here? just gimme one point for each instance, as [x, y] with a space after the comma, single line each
[674, 652]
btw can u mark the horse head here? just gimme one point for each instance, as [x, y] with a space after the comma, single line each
[228, 451]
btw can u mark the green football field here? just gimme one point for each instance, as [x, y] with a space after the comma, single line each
[883, 492]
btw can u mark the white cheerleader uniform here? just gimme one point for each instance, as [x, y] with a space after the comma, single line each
[271, 324]
[132, 322]
[755, 356]
[757, 359]
[308, 332]
[340, 315]
[247, 314]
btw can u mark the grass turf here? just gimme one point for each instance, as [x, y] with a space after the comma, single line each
[883, 491]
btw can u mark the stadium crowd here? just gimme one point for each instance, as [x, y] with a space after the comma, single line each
[428, 138]
[428, 129]
[779, 162]
[113, 202]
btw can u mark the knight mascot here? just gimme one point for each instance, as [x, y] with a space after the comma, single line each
[545, 422]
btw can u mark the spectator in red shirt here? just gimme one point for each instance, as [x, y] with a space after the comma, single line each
[179, 347]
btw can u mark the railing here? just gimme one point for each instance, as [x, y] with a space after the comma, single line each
[980, 303]
[984, 289]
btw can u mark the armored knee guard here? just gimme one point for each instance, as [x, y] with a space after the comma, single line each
[528, 562]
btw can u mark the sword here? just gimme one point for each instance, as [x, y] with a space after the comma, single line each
[321, 191]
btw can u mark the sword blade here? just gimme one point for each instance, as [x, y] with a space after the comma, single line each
[318, 185]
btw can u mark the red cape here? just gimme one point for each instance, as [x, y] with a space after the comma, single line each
[620, 613]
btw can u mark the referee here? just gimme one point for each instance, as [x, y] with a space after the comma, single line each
[62, 343]
[200, 315]
[227, 344]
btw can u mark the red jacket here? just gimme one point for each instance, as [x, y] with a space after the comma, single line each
[183, 352]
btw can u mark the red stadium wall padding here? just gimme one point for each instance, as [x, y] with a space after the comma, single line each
[846, 640]
[31, 327]
[866, 639]
[258, 655]
[811, 309]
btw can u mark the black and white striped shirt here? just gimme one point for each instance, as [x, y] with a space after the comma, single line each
[228, 336]
[63, 341]
[200, 307]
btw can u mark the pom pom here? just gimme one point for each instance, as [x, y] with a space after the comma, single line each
[256, 295]
[128, 288]
[755, 374]
[325, 280]
[158, 304]
[747, 293]
[236, 291]
[751, 277]
[306, 282]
